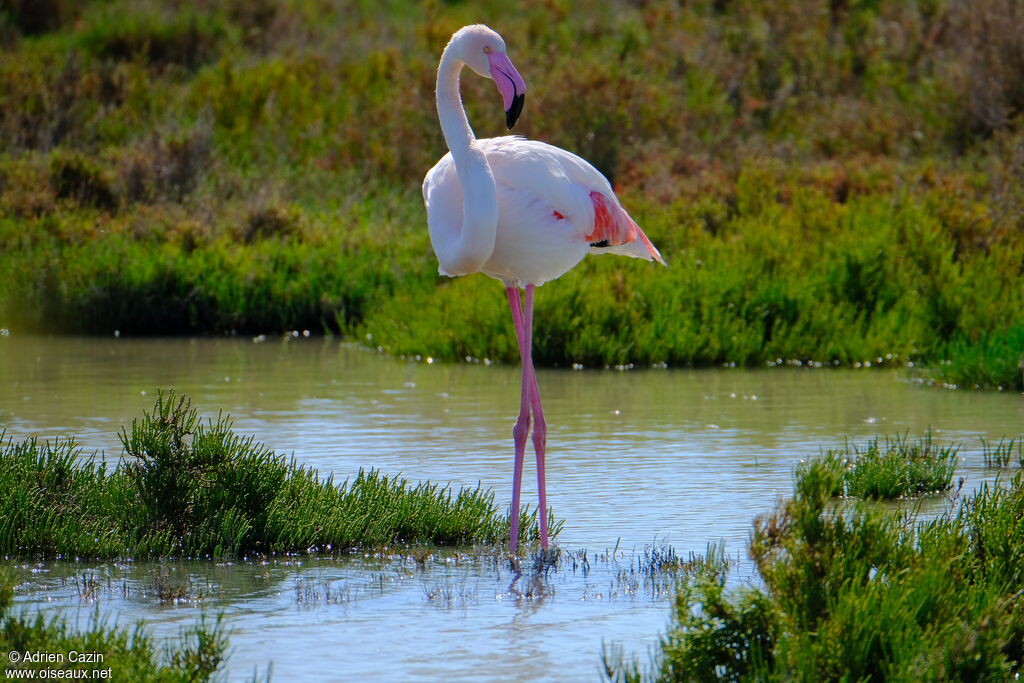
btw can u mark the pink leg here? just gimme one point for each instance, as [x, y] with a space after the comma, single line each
[522, 426]
[540, 425]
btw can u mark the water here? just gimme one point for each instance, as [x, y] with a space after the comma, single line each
[635, 458]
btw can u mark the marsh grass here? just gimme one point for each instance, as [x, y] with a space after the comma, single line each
[830, 183]
[189, 488]
[173, 588]
[871, 595]
[895, 467]
[317, 593]
[1004, 453]
[658, 570]
[450, 595]
[131, 654]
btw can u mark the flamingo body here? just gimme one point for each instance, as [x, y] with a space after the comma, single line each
[521, 211]
[553, 209]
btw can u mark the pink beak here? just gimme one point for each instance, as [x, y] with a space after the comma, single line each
[510, 84]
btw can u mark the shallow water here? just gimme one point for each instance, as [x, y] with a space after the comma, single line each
[638, 457]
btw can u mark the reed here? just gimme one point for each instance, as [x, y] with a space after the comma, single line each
[188, 488]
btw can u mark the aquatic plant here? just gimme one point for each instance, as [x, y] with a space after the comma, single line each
[1004, 453]
[870, 595]
[128, 653]
[895, 467]
[189, 488]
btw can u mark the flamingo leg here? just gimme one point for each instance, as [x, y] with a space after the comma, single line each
[522, 426]
[540, 425]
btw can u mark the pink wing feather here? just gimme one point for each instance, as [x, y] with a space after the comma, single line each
[613, 226]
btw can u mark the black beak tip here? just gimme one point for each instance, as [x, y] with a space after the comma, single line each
[512, 115]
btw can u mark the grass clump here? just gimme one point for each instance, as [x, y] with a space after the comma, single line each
[161, 38]
[871, 595]
[186, 488]
[893, 468]
[128, 654]
[75, 178]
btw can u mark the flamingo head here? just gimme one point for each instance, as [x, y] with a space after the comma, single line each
[483, 50]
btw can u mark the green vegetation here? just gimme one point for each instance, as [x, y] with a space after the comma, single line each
[1004, 453]
[870, 595]
[831, 182]
[896, 468]
[127, 654]
[189, 489]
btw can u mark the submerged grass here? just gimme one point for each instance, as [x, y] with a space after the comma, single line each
[871, 595]
[1004, 453]
[836, 183]
[893, 468]
[127, 654]
[186, 488]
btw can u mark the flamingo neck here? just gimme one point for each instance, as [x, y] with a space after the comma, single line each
[475, 240]
[457, 133]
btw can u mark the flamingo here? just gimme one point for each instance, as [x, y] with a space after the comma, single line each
[520, 211]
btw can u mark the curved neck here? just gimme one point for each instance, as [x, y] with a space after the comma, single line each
[475, 240]
[454, 124]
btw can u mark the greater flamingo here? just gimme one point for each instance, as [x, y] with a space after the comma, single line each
[521, 211]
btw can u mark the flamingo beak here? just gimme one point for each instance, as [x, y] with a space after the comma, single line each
[510, 84]
[512, 114]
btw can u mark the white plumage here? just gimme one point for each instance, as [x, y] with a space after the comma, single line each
[535, 183]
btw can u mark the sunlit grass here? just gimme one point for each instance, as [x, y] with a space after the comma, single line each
[891, 468]
[185, 488]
